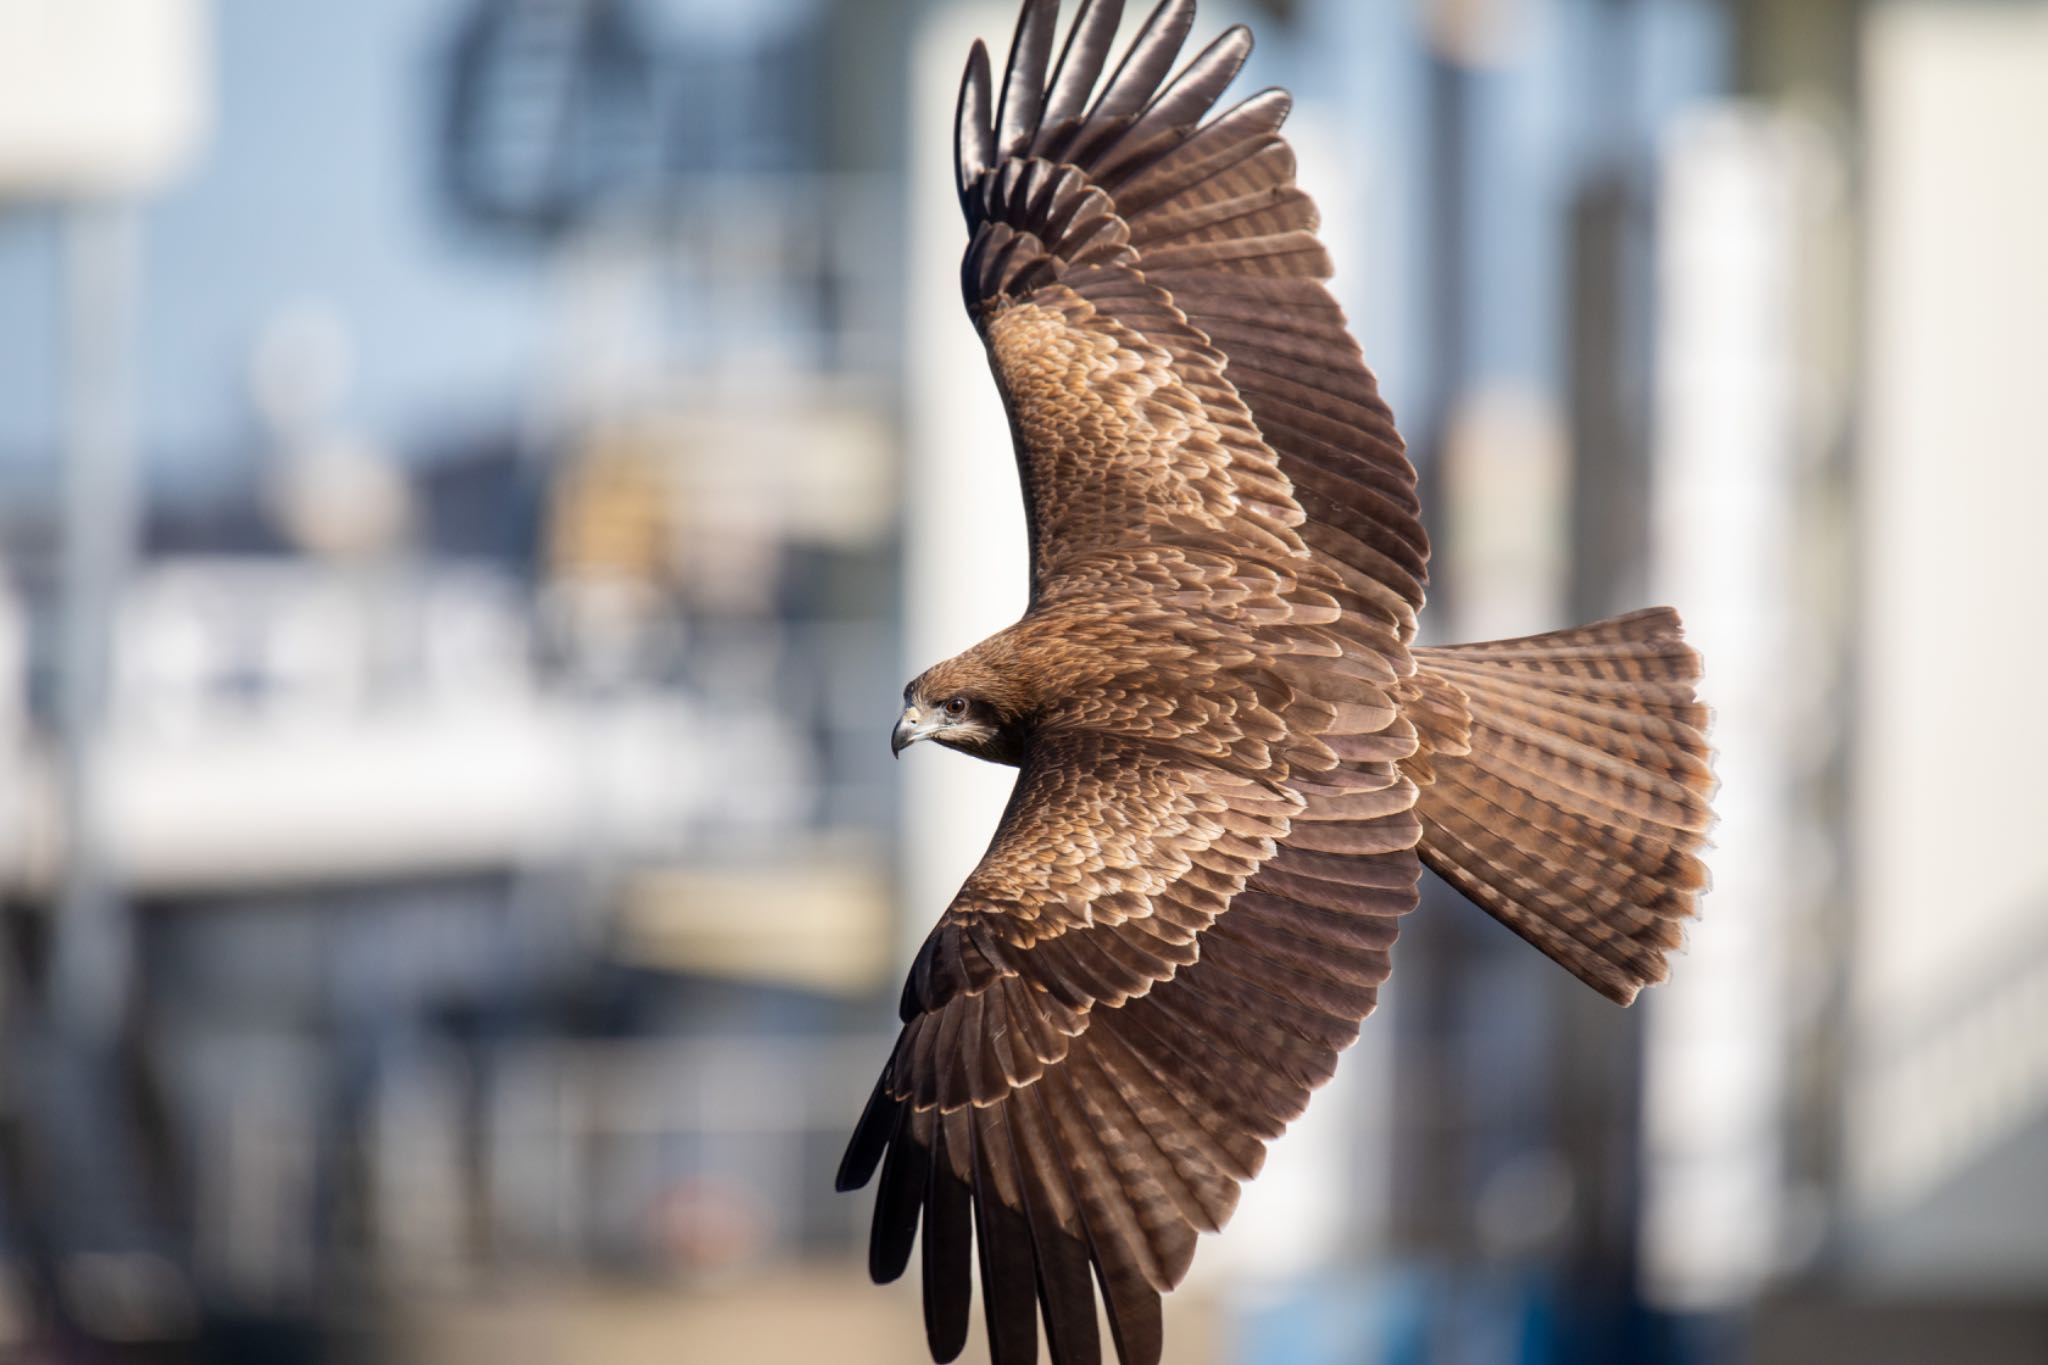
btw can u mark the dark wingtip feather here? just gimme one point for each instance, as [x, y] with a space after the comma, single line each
[1081, 60]
[1129, 1303]
[898, 1201]
[1208, 75]
[1066, 1288]
[948, 1288]
[1275, 102]
[1023, 95]
[1179, 106]
[974, 139]
[1147, 60]
[1135, 1323]
[1009, 1290]
[870, 1136]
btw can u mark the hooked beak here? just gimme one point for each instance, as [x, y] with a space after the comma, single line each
[911, 727]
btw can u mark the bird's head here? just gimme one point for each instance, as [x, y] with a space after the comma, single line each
[962, 705]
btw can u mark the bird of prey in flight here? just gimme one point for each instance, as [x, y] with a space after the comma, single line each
[1233, 761]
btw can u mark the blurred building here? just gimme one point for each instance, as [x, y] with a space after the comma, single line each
[474, 477]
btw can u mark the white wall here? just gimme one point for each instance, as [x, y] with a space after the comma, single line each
[1952, 739]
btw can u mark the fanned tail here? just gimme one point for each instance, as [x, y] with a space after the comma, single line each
[1565, 782]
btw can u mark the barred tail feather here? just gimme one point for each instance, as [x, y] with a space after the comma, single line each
[1565, 782]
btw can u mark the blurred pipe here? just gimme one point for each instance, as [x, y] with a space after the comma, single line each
[92, 952]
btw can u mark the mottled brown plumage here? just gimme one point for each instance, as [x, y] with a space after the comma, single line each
[1232, 764]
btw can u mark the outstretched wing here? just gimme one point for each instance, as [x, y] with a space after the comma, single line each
[1151, 291]
[1156, 962]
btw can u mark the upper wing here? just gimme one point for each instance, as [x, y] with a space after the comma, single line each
[1155, 963]
[1129, 262]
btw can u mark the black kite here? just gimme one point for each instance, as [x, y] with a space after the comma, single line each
[1233, 763]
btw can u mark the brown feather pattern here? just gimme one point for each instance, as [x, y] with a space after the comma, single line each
[1565, 782]
[1232, 764]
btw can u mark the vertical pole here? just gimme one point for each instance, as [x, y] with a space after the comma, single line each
[91, 945]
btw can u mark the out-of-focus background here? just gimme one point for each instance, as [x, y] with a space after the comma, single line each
[475, 475]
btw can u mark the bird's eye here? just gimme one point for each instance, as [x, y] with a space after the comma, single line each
[956, 707]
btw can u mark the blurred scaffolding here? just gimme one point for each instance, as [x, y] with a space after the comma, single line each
[474, 477]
